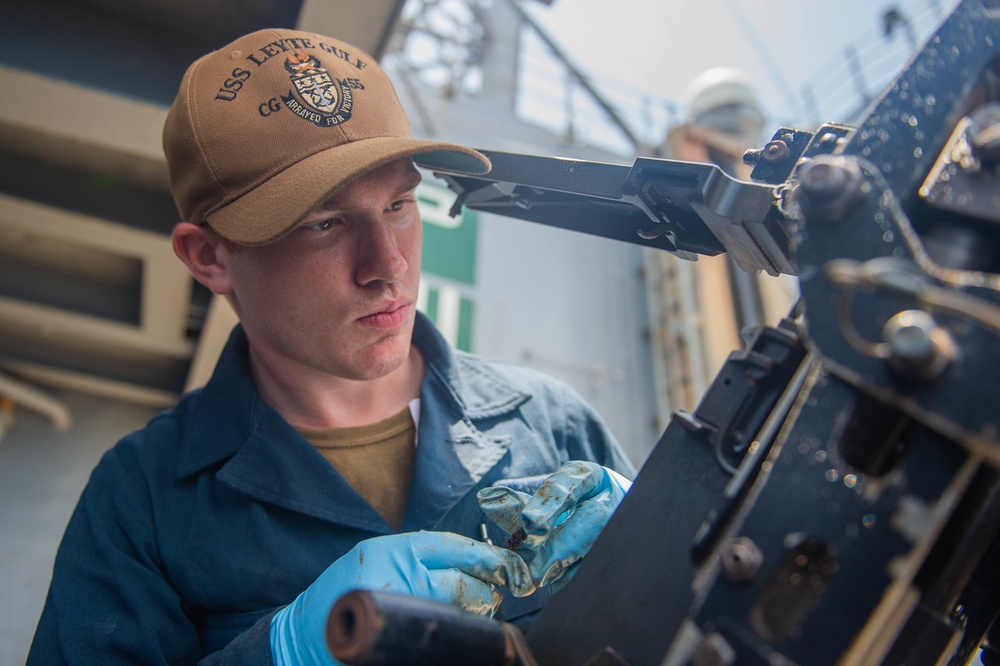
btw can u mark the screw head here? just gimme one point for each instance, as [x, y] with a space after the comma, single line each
[775, 151]
[912, 345]
[823, 180]
[830, 188]
[742, 560]
[917, 347]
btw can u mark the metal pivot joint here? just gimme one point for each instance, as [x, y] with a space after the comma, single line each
[829, 188]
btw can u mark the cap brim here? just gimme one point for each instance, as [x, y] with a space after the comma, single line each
[275, 207]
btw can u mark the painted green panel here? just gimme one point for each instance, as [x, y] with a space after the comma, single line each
[432, 304]
[464, 341]
[449, 243]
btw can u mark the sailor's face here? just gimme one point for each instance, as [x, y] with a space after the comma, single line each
[338, 293]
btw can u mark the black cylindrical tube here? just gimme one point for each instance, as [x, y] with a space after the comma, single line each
[368, 628]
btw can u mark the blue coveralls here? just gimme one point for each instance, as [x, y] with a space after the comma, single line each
[194, 530]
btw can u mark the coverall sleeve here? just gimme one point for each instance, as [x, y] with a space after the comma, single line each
[110, 600]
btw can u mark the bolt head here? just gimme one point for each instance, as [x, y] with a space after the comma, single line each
[918, 348]
[830, 188]
[742, 560]
[775, 151]
[823, 180]
[912, 345]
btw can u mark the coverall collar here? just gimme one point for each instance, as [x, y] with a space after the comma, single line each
[452, 457]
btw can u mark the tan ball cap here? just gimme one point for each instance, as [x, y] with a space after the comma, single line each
[273, 124]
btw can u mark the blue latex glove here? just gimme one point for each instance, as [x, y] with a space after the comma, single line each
[436, 565]
[562, 519]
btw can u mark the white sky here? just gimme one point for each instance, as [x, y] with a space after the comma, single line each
[659, 46]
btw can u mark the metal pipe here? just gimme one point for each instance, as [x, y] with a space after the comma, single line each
[30, 397]
[368, 628]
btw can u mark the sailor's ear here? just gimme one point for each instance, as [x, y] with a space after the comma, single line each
[205, 254]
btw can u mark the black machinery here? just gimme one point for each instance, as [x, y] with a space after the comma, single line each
[835, 497]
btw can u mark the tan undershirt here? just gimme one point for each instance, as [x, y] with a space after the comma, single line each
[377, 460]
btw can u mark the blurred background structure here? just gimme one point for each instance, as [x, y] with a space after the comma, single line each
[101, 327]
